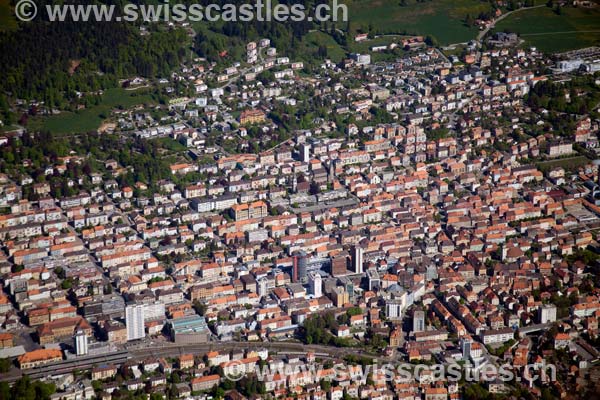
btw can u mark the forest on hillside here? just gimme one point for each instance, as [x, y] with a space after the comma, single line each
[52, 62]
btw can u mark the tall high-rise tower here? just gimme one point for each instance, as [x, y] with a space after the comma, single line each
[316, 284]
[134, 320]
[81, 343]
[465, 346]
[418, 321]
[357, 259]
[300, 266]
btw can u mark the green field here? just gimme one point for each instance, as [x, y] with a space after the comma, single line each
[543, 28]
[442, 19]
[314, 40]
[170, 145]
[569, 164]
[90, 119]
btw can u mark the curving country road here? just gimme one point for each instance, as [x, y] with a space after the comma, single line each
[484, 32]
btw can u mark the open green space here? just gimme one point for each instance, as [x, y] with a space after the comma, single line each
[314, 40]
[170, 145]
[569, 164]
[442, 19]
[336, 52]
[553, 32]
[90, 119]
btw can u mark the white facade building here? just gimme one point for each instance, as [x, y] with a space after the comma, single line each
[547, 313]
[134, 320]
[316, 284]
[81, 343]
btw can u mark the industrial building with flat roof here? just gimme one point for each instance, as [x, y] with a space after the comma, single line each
[191, 329]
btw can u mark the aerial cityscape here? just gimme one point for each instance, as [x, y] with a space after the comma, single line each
[403, 203]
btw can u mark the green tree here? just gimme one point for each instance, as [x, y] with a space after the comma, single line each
[199, 307]
[4, 390]
[5, 365]
[67, 284]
